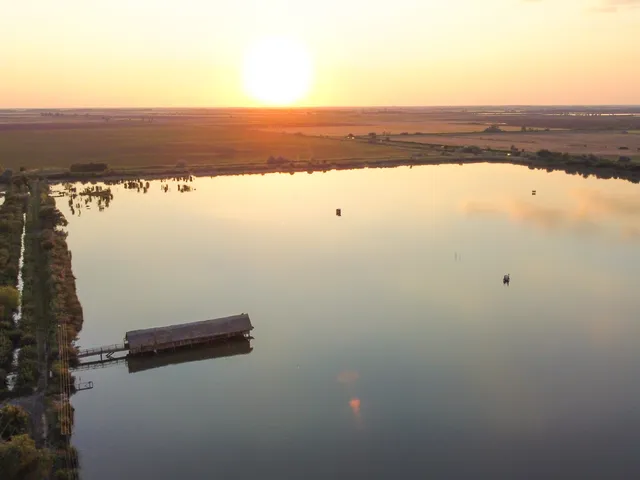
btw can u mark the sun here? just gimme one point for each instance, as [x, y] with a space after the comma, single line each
[277, 71]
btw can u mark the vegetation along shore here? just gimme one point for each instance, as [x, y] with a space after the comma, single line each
[36, 416]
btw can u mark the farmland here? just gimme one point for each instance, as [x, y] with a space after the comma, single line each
[153, 138]
[599, 143]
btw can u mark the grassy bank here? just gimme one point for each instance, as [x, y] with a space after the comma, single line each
[60, 320]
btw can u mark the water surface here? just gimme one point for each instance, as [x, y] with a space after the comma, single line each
[385, 343]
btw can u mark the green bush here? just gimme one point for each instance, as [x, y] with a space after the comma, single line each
[13, 421]
[6, 349]
[65, 474]
[9, 297]
[21, 460]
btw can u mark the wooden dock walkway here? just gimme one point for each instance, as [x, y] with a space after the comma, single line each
[107, 350]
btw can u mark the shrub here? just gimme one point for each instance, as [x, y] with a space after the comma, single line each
[472, 149]
[9, 297]
[13, 421]
[65, 474]
[20, 459]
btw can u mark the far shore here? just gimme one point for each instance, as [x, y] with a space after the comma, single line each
[603, 169]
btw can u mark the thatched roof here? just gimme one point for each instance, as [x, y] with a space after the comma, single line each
[189, 331]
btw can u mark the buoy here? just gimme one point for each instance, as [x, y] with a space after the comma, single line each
[338, 212]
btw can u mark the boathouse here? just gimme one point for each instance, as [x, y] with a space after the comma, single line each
[195, 333]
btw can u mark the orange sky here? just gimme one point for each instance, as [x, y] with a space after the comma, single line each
[75, 53]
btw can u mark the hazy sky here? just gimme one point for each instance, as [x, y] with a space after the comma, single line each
[403, 52]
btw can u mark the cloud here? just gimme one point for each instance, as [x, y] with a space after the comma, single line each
[604, 9]
[545, 218]
[590, 213]
[594, 202]
[611, 6]
[605, 6]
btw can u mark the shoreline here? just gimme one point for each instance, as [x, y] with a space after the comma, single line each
[599, 168]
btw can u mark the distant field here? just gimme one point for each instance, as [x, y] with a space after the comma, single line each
[394, 127]
[154, 137]
[166, 144]
[597, 143]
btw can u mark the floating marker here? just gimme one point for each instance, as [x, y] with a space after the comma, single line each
[338, 212]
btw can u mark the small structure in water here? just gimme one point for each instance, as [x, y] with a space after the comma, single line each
[338, 212]
[173, 336]
[506, 279]
[533, 192]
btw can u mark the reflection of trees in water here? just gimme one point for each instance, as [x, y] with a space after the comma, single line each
[164, 184]
[100, 196]
[83, 199]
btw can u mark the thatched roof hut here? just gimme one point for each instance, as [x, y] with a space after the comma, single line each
[162, 338]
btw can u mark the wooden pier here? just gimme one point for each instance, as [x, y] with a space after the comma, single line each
[107, 351]
[158, 339]
[139, 363]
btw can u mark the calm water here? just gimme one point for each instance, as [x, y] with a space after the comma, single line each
[385, 343]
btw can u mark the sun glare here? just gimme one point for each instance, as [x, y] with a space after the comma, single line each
[277, 71]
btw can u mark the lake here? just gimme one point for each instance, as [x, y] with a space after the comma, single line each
[385, 343]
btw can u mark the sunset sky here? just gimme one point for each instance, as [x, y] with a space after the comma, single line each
[75, 53]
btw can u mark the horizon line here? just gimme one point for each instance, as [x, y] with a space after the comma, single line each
[320, 107]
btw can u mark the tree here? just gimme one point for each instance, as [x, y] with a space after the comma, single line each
[21, 460]
[14, 420]
[9, 297]
[65, 474]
